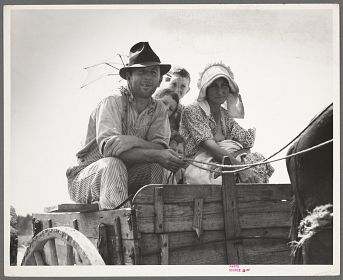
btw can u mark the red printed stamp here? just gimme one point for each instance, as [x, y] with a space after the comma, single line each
[238, 268]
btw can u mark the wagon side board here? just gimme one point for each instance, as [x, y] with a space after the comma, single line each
[263, 212]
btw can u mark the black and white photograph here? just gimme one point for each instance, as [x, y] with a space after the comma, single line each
[171, 140]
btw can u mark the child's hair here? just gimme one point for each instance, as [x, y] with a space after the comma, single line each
[178, 70]
[160, 93]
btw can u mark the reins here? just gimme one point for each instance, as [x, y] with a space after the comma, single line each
[301, 132]
[247, 166]
[265, 161]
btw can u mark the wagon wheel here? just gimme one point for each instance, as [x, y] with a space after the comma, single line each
[76, 249]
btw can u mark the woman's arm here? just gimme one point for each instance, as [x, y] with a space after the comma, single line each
[246, 176]
[217, 152]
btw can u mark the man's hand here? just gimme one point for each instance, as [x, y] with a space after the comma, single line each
[170, 160]
[248, 176]
[123, 143]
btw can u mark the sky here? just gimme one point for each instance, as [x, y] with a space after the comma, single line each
[284, 58]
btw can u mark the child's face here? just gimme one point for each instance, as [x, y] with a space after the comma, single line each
[178, 84]
[170, 104]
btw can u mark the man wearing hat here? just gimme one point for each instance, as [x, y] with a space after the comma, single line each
[127, 138]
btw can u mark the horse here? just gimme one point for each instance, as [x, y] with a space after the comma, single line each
[311, 176]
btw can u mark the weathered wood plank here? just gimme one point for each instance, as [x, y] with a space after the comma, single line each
[255, 251]
[264, 206]
[180, 217]
[118, 251]
[176, 240]
[88, 222]
[197, 220]
[203, 254]
[267, 219]
[212, 193]
[271, 233]
[266, 251]
[71, 207]
[158, 209]
[234, 250]
[149, 243]
[164, 245]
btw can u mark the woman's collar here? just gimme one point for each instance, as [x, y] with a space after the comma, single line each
[206, 107]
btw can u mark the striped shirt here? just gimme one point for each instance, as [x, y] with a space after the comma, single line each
[116, 115]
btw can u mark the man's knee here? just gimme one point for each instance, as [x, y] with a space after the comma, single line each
[111, 164]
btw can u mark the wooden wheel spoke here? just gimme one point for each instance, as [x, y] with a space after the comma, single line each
[61, 246]
[39, 258]
[77, 258]
[70, 255]
[53, 252]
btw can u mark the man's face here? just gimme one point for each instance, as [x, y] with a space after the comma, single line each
[144, 81]
[178, 84]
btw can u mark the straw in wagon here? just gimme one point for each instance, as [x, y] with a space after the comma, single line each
[127, 138]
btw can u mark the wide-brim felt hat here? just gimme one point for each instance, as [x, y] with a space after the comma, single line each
[141, 55]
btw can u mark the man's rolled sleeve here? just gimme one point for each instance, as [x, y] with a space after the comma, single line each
[108, 126]
[159, 131]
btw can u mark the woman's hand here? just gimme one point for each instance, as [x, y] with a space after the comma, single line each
[248, 176]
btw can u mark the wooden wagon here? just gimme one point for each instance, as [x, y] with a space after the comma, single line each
[170, 224]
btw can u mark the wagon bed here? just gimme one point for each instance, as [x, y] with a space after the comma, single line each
[181, 224]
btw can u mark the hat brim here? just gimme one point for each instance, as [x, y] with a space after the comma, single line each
[233, 86]
[164, 68]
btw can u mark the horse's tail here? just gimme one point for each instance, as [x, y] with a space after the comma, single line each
[296, 256]
[296, 206]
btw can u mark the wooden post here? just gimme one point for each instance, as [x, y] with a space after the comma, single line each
[158, 207]
[103, 242]
[197, 219]
[159, 225]
[118, 241]
[52, 247]
[77, 257]
[234, 249]
[164, 245]
[37, 226]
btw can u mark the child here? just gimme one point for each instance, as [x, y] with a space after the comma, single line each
[178, 80]
[171, 101]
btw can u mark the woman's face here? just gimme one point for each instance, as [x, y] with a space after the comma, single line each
[218, 91]
[170, 104]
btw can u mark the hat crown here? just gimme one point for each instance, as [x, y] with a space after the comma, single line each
[214, 70]
[142, 53]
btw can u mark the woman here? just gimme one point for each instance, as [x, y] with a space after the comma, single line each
[210, 132]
